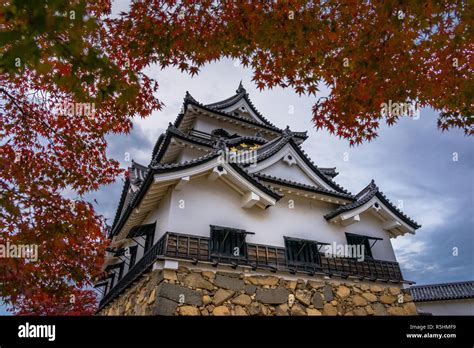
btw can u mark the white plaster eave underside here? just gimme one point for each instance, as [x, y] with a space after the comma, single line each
[392, 224]
[195, 111]
[300, 192]
[163, 182]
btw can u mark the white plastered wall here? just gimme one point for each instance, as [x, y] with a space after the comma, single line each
[203, 202]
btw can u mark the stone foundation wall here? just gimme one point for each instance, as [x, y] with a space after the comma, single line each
[206, 292]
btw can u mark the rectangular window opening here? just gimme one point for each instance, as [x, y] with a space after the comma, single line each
[133, 256]
[301, 251]
[361, 240]
[228, 242]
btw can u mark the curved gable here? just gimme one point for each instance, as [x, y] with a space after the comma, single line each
[287, 163]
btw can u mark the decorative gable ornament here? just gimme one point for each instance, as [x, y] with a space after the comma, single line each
[289, 159]
[376, 207]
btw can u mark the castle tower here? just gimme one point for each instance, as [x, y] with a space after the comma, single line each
[231, 217]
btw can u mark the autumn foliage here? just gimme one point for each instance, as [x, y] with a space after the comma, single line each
[61, 92]
[61, 60]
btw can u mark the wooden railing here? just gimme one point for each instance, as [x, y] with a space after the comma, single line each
[196, 248]
[264, 256]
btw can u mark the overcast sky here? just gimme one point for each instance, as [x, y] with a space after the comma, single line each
[411, 162]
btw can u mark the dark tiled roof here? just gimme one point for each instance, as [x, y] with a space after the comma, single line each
[235, 117]
[256, 181]
[315, 168]
[241, 93]
[269, 149]
[300, 134]
[217, 109]
[359, 202]
[297, 185]
[175, 131]
[238, 140]
[123, 195]
[329, 171]
[148, 179]
[445, 291]
[169, 167]
[172, 131]
[366, 195]
[166, 167]
[157, 145]
[137, 172]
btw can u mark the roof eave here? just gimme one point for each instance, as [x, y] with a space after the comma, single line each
[282, 182]
[267, 127]
[160, 169]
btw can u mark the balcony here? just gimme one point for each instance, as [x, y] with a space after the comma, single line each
[196, 249]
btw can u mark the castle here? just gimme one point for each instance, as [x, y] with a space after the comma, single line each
[231, 217]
